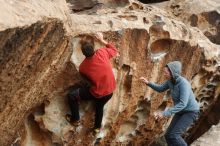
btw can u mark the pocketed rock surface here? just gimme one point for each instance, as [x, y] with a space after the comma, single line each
[40, 55]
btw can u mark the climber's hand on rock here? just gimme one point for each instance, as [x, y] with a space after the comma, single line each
[144, 80]
[158, 115]
[99, 36]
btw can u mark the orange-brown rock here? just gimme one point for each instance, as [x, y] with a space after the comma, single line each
[203, 15]
[40, 55]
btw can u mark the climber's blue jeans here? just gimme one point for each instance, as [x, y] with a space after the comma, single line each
[178, 126]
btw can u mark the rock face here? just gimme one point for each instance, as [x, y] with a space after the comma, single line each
[209, 138]
[83, 5]
[34, 51]
[205, 16]
[40, 55]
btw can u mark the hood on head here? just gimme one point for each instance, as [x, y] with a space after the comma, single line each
[176, 68]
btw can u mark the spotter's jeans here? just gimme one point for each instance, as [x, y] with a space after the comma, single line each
[178, 126]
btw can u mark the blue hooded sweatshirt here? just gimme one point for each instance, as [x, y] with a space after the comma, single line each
[181, 92]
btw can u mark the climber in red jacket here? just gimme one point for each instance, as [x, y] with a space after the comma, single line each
[96, 68]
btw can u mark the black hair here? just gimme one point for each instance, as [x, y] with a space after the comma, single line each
[87, 49]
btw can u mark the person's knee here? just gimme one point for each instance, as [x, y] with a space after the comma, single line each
[174, 139]
[73, 95]
[169, 136]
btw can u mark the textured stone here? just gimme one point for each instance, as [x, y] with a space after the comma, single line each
[203, 15]
[209, 138]
[39, 60]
